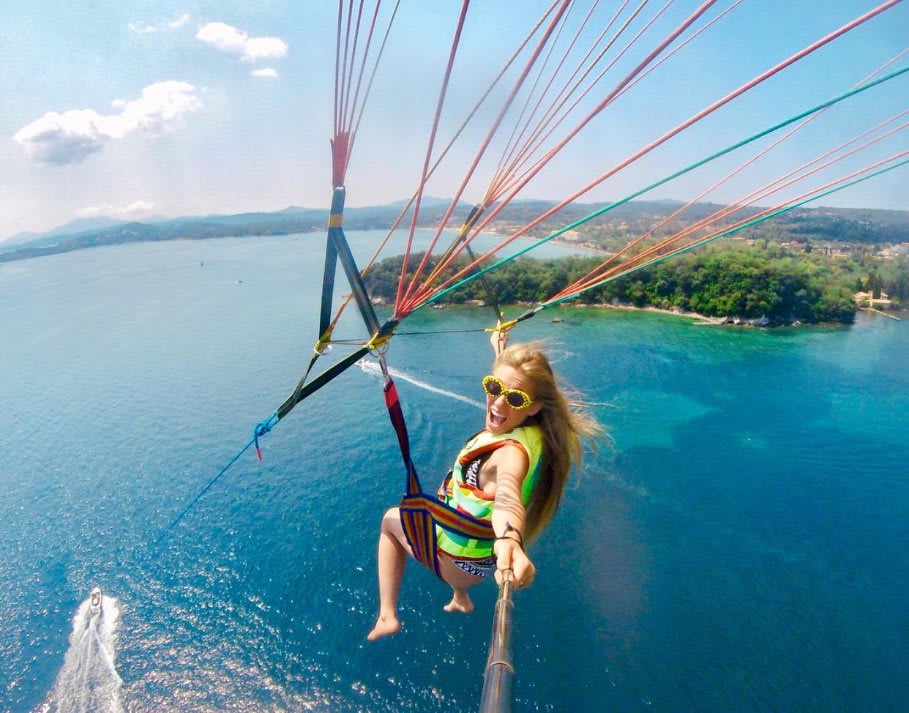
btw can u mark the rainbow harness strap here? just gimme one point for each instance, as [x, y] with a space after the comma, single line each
[420, 513]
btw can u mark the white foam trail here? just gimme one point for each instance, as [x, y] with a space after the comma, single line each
[88, 682]
[372, 367]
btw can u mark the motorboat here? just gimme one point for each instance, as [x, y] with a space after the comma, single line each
[94, 601]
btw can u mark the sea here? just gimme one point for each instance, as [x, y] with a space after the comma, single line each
[738, 542]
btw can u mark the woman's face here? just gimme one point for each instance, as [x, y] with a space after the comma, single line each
[502, 417]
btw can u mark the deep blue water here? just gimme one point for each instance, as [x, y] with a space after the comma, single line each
[740, 547]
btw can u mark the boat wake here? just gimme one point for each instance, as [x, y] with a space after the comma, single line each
[372, 367]
[88, 682]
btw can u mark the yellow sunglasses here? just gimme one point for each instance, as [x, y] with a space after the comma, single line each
[515, 398]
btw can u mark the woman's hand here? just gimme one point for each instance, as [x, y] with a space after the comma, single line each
[499, 339]
[511, 558]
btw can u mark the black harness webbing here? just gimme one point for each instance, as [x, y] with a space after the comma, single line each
[328, 281]
[305, 389]
[337, 250]
[461, 237]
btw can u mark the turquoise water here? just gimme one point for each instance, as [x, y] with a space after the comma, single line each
[740, 547]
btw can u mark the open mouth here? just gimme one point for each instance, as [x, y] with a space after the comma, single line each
[495, 418]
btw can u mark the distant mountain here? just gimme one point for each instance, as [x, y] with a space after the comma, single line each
[82, 225]
[73, 227]
[20, 238]
[157, 219]
[425, 201]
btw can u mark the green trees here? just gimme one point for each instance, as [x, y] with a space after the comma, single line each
[765, 280]
[895, 278]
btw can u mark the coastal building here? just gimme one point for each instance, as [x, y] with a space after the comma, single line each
[867, 299]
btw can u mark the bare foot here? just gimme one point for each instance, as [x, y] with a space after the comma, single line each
[461, 604]
[385, 626]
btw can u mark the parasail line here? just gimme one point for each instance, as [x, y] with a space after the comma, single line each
[724, 212]
[403, 298]
[337, 123]
[261, 426]
[516, 137]
[649, 70]
[770, 213]
[435, 127]
[746, 224]
[351, 55]
[541, 133]
[744, 202]
[419, 294]
[447, 287]
[697, 117]
[344, 64]
[662, 139]
[375, 67]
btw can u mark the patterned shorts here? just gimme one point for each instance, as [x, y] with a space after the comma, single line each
[477, 568]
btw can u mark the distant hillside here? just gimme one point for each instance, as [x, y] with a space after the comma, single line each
[613, 228]
[286, 222]
[74, 227]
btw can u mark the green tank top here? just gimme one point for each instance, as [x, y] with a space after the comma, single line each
[457, 493]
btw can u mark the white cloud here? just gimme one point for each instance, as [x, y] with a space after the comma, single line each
[133, 210]
[233, 41]
[179, 22]
[71, 136]
[160, 105]
[142, 28]
[267, 72]
[265, 48]
[145, 28]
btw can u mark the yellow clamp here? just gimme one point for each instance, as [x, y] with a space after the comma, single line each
[322, 346]
[503, 327]
[378, 341]
[335, 220]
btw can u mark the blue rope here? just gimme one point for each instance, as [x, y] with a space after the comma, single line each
[260, 430]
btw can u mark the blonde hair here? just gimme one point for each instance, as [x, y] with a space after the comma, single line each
[563, 423]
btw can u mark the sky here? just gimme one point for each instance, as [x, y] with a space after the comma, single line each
[168, 108]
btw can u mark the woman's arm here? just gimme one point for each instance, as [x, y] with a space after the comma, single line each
[508, 516]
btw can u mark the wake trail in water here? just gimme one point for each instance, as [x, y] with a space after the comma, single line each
[372, 367]
[88, 682]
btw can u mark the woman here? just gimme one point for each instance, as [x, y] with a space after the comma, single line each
[511, 474]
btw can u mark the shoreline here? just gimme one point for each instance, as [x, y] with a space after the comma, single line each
[702, 319]
[699, 319]
[696, 317]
